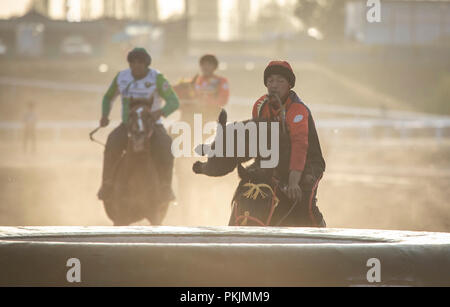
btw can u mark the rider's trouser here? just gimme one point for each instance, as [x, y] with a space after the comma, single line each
[306, 213]
[160, 149]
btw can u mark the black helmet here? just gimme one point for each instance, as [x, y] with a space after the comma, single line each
[139, 54]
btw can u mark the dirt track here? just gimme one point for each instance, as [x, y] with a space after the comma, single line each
[364, 187]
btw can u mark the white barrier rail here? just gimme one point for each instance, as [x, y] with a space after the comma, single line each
[364, 127]
[375, 118]
[324, 123]
[351, 110]
[234, 100]
[53, 85]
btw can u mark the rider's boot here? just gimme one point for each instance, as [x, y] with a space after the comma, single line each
[105, 190]
[167, 194]
[162, 153]
[107, 183]
[165, 177]
[322, 224]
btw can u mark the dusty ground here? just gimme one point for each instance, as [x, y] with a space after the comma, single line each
[377, 185]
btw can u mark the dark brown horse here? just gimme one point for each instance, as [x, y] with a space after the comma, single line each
[260, 198]
[136, 191]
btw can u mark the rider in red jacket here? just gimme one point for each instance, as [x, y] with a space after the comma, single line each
[305, 164]
[206, 93]
[210, 88]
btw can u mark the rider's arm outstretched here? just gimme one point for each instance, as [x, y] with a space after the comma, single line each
[108, 98]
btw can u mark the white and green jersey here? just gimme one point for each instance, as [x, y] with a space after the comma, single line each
[154, 84]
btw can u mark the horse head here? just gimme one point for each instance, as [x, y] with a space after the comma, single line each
[254, 173]
[140, 125]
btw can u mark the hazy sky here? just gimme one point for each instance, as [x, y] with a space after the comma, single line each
[10, 8]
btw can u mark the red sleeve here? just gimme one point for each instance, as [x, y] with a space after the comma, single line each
[224, 92]
[255, 111]
[257, 106]
[297, 121]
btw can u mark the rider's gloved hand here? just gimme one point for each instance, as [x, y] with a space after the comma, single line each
[198, 167]
[104, 122]
[294, 192]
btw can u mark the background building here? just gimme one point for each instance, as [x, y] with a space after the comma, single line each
[404, 22]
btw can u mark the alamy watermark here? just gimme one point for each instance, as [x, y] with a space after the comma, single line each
[374, 273]
[374, 13]
[240, 139]
[74, 273]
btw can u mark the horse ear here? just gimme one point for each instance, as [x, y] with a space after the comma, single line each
[242, 172]
[202, 149]
[223, 116]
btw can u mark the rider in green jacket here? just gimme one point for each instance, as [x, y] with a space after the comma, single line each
[139, 82]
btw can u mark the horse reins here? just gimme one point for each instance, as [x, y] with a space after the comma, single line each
[277, 184]
[283, 112]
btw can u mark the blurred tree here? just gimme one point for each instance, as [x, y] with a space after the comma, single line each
[40, 6]
[276, 20]
[109, 8]
[306, 9]
[66, 8]
[86, 9]
[120, 9]
[328, 16]
[148, 10]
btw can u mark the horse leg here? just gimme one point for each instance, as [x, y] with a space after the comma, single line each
[159, 215]
[120, 221]
[231, 222]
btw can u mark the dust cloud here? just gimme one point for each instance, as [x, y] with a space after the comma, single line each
[381, 181]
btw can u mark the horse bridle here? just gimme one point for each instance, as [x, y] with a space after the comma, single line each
[148, 105]
[253, 192]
